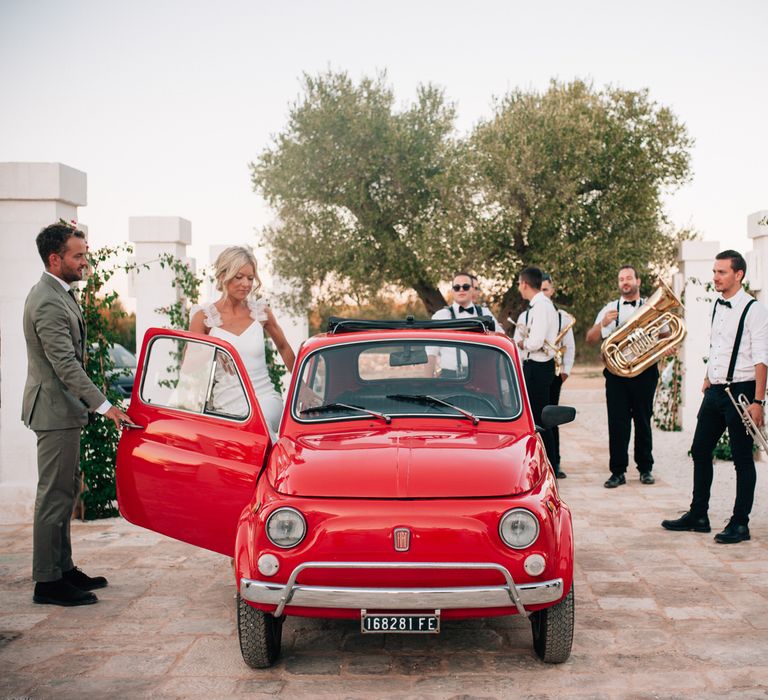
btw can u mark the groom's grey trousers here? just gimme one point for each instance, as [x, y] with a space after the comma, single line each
[58, 466]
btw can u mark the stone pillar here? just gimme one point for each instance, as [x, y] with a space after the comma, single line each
[153, 236]
[32, 196]
[757, 258]
[695, 260]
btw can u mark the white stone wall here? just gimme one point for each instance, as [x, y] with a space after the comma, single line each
[153, 236]
[32, 196]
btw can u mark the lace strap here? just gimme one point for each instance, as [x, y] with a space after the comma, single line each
[211, 315]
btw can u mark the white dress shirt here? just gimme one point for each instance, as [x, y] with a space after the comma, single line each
[540, 320]
[626, 309]
[101, 410]
[448, 355]
[753, 348]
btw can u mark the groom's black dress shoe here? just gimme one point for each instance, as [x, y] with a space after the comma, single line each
[61, 593]
[732, 534]
[615, 480]
[688, 522]
[83, 581]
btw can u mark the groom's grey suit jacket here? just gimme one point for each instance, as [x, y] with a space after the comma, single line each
[58, 393]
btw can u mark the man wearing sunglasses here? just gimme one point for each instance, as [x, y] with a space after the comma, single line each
[462, 306]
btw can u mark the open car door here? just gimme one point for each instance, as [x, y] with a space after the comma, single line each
[190, 466]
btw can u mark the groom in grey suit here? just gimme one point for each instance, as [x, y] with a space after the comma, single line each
[58, 396]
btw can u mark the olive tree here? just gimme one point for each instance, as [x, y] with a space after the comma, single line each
[571, 181]
[366, 195]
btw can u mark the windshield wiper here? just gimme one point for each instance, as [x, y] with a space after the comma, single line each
[433, 400]
[327, 407]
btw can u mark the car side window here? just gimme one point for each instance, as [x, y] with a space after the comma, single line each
[313, 383]
[193, 376]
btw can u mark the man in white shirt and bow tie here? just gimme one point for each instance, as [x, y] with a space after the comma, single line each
[463, 288]
[629, 400]
[738, 358]
[535, 335]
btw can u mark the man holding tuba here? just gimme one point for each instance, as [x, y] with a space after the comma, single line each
[737, 362]
[566, 353]
[629, 399]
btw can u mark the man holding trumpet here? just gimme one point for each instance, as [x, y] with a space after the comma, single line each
[535, 335]
[563, 365]
[736, 368]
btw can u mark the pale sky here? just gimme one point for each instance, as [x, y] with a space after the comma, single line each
[164, 102]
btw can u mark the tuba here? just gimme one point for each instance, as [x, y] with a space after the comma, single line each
[638, 344]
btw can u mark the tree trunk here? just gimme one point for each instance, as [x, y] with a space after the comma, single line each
[511, 306]
[430, 296]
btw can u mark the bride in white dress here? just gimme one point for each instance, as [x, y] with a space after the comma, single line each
[241, 320]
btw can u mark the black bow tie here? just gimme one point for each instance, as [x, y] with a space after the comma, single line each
[631, 303]
[468, 311]
[724, 303]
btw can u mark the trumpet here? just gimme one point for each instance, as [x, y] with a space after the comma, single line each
[742, 403]
[557, 346]
[524, 330]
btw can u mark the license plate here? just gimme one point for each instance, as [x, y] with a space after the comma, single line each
[380, 623]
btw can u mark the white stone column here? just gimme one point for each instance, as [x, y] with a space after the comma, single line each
[32, 196]
[757, 258]
[152, 237]
[695, 263]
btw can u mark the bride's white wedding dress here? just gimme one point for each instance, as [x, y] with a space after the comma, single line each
[228, 396]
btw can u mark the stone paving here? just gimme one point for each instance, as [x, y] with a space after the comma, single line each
[659, 614]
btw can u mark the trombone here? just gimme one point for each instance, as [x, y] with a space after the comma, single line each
[742, 403]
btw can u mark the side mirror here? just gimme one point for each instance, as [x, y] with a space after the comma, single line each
[557, 415]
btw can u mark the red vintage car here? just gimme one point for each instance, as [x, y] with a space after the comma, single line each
[408, 486]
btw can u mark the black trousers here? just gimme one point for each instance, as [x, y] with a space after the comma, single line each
[717, 413]
[538, 380]
[554, 400]
[630, 401]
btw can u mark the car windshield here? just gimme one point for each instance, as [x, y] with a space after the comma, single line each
[464, 380]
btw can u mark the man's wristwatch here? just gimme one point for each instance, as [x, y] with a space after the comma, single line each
[759, 402]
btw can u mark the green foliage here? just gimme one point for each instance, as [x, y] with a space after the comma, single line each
[666, 412]
[187, 283]
[98, 440]
[570, 179]
[573, 180]
[366, 195]
[276, 370]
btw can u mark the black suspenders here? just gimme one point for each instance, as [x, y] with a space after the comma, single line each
[736, 342]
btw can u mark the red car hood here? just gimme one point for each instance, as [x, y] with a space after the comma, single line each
[406, 464]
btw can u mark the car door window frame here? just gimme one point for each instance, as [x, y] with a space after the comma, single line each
[210, 382]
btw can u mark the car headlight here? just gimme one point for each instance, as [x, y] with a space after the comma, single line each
[286, 527]
[519, 528]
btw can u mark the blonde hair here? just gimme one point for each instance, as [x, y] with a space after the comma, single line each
[230, 262]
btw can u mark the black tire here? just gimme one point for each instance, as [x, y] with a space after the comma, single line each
[553, 631]
[260, 634]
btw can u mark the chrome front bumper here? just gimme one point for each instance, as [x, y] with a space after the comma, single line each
[293, 593]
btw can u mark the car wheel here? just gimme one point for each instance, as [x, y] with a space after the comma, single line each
[260, 634]
[553, 631]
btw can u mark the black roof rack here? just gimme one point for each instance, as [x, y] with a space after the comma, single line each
[478, 324]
